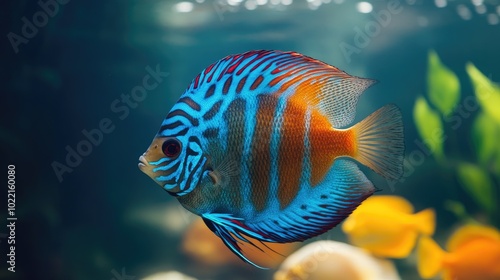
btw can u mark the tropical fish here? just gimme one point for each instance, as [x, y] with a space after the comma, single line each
[386, 226]
[257, 147]
[474, 253]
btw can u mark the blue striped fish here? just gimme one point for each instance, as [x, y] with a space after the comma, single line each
[258, 147]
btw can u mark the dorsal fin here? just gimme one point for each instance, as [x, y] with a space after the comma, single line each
[289, 74]
[385, 202]
[471, 232]
[332, 91]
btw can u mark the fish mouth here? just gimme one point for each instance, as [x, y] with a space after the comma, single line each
[142, 162]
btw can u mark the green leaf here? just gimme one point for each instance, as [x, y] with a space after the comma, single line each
[429, 126]
[456, 208]
[496, 163]
[443, 86]
[478, 184]
[485, 135]
[487, 92]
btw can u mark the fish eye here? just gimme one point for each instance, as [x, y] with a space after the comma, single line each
[171, 148]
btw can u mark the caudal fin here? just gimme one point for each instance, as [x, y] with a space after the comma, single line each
[429, 257]
[425, 221]
[380, 142]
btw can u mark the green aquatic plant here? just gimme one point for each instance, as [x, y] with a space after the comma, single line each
[443, 86]
[476, 181]
[486, 130]
[485, 135]
[429, 126]
[487, 92]
[479, 178]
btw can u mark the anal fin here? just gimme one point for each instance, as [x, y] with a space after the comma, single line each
[312, 213]
[231, 231]
[322, 207]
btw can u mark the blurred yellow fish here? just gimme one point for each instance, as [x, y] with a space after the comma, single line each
[386, 226]
[474, 254]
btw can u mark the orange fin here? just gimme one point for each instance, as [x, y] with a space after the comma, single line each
[380, 142]
[333, 92]
[337, 99]
[470, 232]
[429, 258]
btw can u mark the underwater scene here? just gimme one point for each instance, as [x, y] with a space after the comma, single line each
[250, 139]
